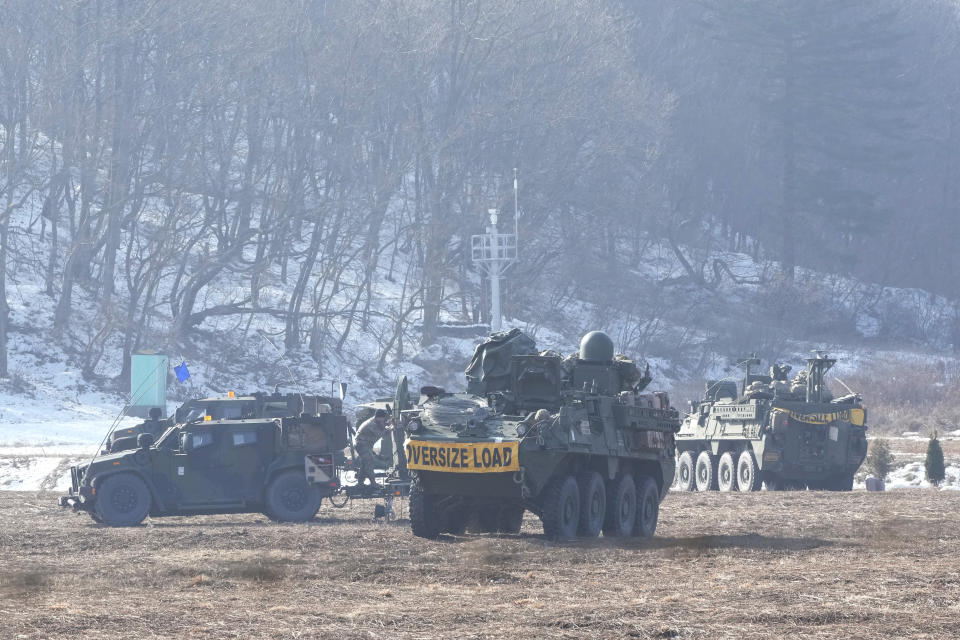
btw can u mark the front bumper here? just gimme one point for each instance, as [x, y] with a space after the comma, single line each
[82, 501]
[80, 496]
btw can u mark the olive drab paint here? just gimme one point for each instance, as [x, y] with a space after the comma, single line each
[533, 426]
[219, 455]
[785, 434]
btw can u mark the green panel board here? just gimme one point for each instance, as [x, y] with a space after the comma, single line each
[148, 380]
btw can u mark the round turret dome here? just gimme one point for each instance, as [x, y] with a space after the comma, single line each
[596, 346]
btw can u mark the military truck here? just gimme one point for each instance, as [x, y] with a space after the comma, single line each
[282, 466]
[575, 441]
[772, 432]
[229, 407]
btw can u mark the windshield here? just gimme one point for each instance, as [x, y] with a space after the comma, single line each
[169, 440]
[196, 413]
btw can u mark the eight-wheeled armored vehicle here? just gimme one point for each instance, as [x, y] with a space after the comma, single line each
[282, 466]
[786, 436]
[575, 441]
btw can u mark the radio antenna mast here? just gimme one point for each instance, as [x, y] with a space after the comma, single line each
[494, 252]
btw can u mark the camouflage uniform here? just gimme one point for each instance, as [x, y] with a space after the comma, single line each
[367, 435]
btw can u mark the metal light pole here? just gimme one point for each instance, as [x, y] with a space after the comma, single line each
[494, 252]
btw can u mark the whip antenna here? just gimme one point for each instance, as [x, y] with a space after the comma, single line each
[293, 379]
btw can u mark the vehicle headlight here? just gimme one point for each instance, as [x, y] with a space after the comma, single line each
[521, 429]
[414, 426]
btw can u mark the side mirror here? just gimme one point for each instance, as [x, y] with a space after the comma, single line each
[145, 440]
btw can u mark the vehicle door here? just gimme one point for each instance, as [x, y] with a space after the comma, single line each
[197, 469]
[247, 452]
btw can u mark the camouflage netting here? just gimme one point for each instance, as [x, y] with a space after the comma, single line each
[489, 370]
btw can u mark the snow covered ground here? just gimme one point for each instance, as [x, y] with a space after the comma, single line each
[50, 417]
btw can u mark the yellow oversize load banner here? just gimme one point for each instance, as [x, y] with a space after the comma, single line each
[462, 457]
[853, 416]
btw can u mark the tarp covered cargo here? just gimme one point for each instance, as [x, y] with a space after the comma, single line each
[489, 370]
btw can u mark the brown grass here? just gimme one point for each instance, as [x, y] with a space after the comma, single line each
[764, 565]
[908, 396]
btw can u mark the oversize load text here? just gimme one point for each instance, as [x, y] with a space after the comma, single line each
[468, 457]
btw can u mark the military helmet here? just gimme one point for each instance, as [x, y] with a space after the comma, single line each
[596, 346]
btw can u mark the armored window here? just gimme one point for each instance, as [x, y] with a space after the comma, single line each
[232, 412]
[241, 438]
[201, 439]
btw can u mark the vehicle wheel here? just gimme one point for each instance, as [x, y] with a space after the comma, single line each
[648, 508]
[561, 508]
[726, 473]
[290, 498]
[511, 519]
[593, 504]
[842, 482]
[455, 521]
[426, 520]
[748, 474]
[706, 472]
[621, 507]
[686, 478]
[486, 520]
[123, 500]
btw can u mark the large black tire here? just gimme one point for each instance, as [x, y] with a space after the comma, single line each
[291, 498]
[706, 472]
[621, 507]
[561, 508]
[486, 520]
[726, 473]
[123, 500]
[455, 520]
[841, 482]
[748, 473]
[426, 520]
[686, 477]
[593, 504]
[511, 519]
[506, 518]
[648, 508]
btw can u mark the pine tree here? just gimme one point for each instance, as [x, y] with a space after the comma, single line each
[880, 460]
[934, 461]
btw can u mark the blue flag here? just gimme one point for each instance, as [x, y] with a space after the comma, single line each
[181, 371]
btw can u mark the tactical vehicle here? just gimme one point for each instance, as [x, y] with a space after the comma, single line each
[282, 466]
[229, 407]
[786, 436]
[575, 441]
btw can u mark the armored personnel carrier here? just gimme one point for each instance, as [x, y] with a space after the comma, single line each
[229, 407]
[575, 441]
[786, 436]
[201, 464]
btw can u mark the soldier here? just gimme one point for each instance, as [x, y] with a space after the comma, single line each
[368, 433]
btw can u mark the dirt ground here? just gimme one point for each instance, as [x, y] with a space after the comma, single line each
[764, 565]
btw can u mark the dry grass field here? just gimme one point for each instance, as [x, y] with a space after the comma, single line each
[765, 565]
